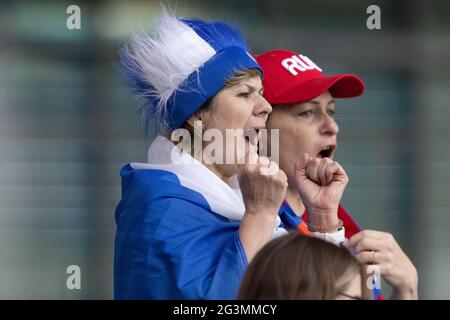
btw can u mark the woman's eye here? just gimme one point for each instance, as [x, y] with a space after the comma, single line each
[306, 113]
[332, 113]
[244, 94]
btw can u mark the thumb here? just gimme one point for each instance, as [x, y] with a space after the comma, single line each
[301, 164]
[253, 152]
[249, 152]
[252, 155]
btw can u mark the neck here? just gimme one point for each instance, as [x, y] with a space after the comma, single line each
[212, 167]
[295, 201]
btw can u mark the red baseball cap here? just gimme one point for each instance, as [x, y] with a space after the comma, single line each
[292, 78]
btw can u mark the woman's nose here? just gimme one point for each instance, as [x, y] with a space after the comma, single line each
[329, 126]
[262, 107]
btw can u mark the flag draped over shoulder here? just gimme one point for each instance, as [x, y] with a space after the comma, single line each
[177, 230]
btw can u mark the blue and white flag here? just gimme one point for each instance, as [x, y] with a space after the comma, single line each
[177, 230]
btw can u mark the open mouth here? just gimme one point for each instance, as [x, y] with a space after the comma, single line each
[327, 151]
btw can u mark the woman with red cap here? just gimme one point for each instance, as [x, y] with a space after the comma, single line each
[303, 101]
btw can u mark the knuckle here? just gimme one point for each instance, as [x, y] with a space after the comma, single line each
[389, 237]
[359, 247]
[364, 233]
[389, 257]
[390, 247]
[364, 243]
[274, 165]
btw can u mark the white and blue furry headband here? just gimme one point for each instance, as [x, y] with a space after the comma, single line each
[183, 65]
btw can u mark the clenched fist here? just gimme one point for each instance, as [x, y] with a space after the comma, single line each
[321, 183]
[262, 193]
[263, 187]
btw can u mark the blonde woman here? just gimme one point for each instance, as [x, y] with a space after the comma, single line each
[186, 227]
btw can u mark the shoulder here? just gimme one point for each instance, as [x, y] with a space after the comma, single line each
[146, 187]
[135, 174]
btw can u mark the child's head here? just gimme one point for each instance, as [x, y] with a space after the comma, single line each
[302, 267]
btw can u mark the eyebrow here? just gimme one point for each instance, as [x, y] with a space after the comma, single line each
[317, 103]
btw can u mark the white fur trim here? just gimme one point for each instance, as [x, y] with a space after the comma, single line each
[168, 57]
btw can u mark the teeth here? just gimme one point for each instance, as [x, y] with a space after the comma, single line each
[326, 148]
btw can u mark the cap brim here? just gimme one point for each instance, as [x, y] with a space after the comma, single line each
[340, 86]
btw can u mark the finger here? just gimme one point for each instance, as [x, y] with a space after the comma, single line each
[371, 244]
[263, 164]
[282, 175]
[338, 172]
[300, 167]
[365, 233]
[370, 257]
[366, 244]
[282, 179]
[321, 172]
[330, 170]
[264, 161]
[258, 136]
[243, 148]
[253, 152]
[311, 170]
[329, 173]
[253, 138]
[247, 153]
[268, 168]
[252, 146]
[302, 163]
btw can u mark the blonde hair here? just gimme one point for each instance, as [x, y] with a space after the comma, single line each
[240, 76]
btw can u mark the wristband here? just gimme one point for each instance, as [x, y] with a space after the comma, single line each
[336, 238]
[321, 229]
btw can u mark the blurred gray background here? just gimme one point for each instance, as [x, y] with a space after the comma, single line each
[68, 123]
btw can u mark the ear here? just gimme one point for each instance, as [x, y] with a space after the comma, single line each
[199, 115]
[193, 118]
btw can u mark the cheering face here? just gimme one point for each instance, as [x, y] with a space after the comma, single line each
[241, 107]
[304, 127]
